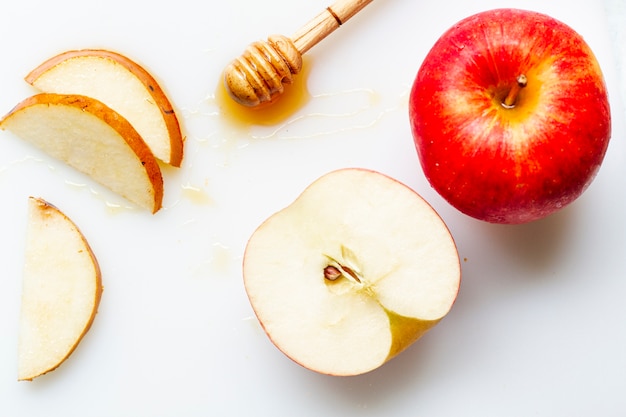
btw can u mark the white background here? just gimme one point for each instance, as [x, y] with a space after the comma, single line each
[538, 328]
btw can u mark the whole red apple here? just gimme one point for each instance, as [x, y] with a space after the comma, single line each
[510, 115]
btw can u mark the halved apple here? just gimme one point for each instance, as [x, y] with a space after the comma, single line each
[61, 290]
[351, 273]
[121, 84]
[93, 138]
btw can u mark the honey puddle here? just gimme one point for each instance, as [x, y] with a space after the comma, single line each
[297, 114]
[294, 97]
[220, 262]
[222, 128]
[196, 194]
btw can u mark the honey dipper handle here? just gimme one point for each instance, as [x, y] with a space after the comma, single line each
[326, 22]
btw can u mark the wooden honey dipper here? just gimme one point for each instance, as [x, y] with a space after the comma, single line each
[258, 75]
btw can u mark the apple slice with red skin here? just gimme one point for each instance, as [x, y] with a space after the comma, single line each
[121, 84]
[94, 139]
[61, 290]
[510, 115]
[351, 273]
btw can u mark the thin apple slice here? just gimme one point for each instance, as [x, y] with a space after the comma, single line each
[61, 290]
[121, 84]
[351, 273]
[93, 138]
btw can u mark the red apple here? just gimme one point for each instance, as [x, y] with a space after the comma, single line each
[510, 115]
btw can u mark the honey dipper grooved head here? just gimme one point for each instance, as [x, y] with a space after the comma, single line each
[258, 75]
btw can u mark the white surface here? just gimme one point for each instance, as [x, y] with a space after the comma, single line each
[616, 15]
[539, 326]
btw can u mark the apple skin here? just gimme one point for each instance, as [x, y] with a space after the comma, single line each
[519, 164]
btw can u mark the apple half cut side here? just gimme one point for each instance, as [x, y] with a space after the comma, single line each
[351, 273]
[94, 139]
[61, 290]
[121, 84]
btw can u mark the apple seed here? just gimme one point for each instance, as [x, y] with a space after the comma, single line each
[335, 270]
[331, 273]
[350, 272]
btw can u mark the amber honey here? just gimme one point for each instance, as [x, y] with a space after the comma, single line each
[294, 97]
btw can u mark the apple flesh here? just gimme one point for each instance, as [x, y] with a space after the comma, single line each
[351, 273]
[94, 139]
[121, 84]
[510, 116]
[61, 290]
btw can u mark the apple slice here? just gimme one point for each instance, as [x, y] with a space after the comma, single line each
[93, 138]
[121, 84]
[61, 290]
[351, 273]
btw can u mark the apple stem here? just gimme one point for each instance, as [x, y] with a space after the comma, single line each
[511, 98]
